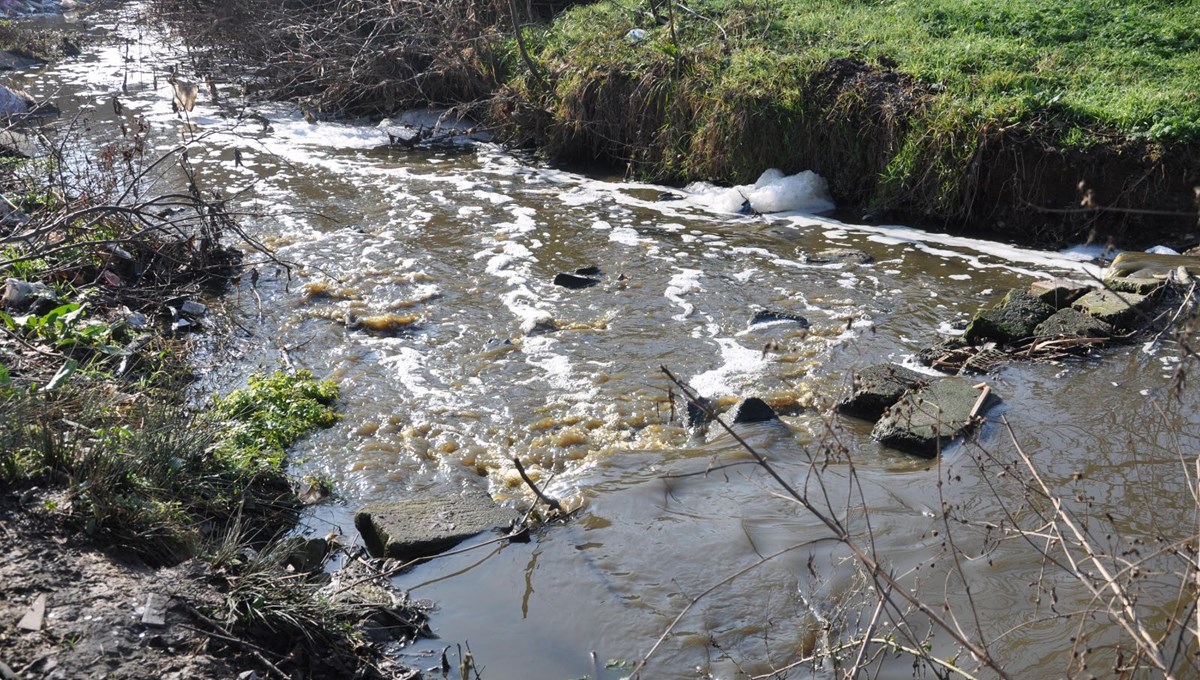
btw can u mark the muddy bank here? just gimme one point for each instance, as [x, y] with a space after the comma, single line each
[149, 534]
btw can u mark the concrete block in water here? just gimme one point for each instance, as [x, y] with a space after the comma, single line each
[877, 387]
[927, 420]
[1138, 285]
[1119, 310]
[1059, 293]
[429, 523]
[1073, 323]
[1013, 319]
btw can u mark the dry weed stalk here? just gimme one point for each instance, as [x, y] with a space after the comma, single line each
[897, 601]
[1066, 545]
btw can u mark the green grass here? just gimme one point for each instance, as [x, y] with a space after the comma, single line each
[1120, 67]
[897, 103]
[149, 477]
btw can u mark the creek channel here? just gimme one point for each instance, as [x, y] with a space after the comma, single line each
[501, 363]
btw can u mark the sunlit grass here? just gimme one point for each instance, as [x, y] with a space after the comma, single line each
[1121, 67]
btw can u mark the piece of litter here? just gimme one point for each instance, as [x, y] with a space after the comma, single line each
[33, 618]
[155, 613]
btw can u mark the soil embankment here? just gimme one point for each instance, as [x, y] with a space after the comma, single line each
[1027, 123]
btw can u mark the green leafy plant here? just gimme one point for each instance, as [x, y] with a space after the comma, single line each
[270, 413]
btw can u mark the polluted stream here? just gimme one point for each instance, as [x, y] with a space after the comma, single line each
[487, 359]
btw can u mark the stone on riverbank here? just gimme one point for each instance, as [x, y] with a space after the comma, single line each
[1073, 323]
[927, 420]
[429, 523]
[1012, 319]
[1116, 309]
[1059, 293]
[877, 387]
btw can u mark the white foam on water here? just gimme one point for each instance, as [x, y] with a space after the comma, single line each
[625, 236]
[556, 369]
[580, 196]
[738, 366]
[682, 282]
[1162, 250]
[911, 362]
[1026, 261]
[491, 196]
[774, 192]
[944, 328]
[407, 364]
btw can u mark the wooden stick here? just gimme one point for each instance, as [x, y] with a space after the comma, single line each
[985, 390]
[554, 505]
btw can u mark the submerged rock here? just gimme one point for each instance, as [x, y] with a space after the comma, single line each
[574, 281]
[1134, 265]
[926, 421]
[770, 316]
[429, 524]
[840, 255]
[877, 387]
[1012, 319]
[12, 61]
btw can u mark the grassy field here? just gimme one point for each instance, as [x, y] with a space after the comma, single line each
[1089, 67]
[898, 103]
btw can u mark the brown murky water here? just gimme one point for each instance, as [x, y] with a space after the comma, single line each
[499, 362]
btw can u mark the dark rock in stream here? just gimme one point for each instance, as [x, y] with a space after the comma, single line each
[429, 523]
[574, 281]
[1013, 318]
[698, 412]
[771, 316]
[753, 410]
[590, 270]
[878, 387]
[925, 421]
